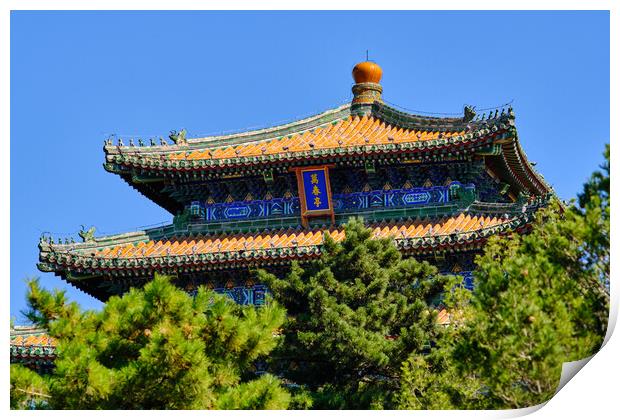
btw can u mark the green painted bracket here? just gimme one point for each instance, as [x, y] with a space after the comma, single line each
[492, 150]
[138, 179]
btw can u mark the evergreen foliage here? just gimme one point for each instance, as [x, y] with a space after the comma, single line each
[540, 300]
[28, 390]
[594, 203]
[159, 348]
[361, 330]
[355, 315]
[435, 383]
[598, 184]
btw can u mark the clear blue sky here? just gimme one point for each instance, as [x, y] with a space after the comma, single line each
[78, 76]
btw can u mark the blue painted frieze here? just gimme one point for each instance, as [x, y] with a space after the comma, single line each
[243, 295]
[316, 197]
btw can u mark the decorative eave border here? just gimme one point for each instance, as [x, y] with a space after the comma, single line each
[33, 352]
[38, 354]
[457, 148]
[69, 265]
[511, 157]
[524, 166]
[194, 230]
[120, 158]
[127, 162]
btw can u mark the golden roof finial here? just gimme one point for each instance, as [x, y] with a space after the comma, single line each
[367, 76]
[367, 72]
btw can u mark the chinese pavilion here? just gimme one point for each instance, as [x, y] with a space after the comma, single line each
[33, 347]
[261, 199]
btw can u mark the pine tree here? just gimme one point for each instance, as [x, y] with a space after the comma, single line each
[361, 330]
[598, 184]
[28, 389]
[159, 348]
[355, 316]
[594, 205]
[540, 300]
[434, 383]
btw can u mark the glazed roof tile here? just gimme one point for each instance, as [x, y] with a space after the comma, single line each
[290, 238]
[443, 317]
[339, 135]
[31, 336]
[32, 345]
[138, 251]
[33, 340]
[351, 131]
[336, 132]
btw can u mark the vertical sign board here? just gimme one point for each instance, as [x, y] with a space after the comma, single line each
[315, 195]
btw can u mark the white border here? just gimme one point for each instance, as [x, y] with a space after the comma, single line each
[592, 393]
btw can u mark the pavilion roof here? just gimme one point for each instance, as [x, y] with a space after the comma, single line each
[31, 345]
[345, 133]
[338, 135]
[141, 254]
[339, 131]
[443, 316]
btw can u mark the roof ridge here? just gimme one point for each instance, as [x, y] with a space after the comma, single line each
[25, 330]
[383, 106]
[291, 124]
[391, 116]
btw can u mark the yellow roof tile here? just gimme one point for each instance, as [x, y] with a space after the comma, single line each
[348, 132]
[36, 339]
[293, 238]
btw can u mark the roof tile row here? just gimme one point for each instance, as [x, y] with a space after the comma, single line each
[293, 238]
[37, 338]
[349, 132]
